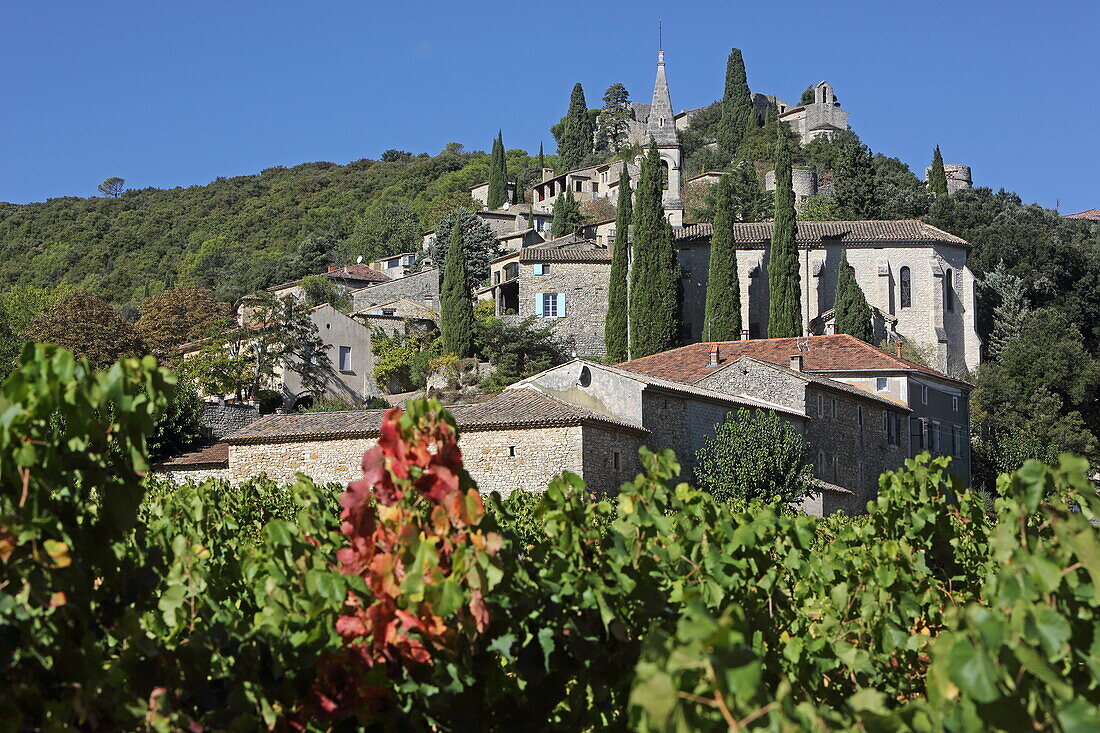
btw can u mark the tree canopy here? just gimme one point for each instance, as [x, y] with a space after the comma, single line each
[88, 326]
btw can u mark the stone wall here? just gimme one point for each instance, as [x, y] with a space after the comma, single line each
[420, 287]
[585, 287]
[221, 420]
[183, 475]
[762, 381]
[604, 447]
[498, 460]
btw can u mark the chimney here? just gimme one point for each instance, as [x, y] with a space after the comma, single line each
[714, 355]
[744, 334]
[898, 345]
[796, 362]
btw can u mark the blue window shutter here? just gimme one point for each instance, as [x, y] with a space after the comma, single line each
[561, 305]
[538, 304]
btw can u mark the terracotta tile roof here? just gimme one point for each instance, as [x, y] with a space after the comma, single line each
[829, 232]
[1089, 214]
[212, 456]
[570, 248]
[833, 353]
[359, 273]
[515, 408]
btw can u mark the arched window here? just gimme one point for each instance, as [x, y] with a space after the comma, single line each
[906, 288]
[948, 290]
[664, 175]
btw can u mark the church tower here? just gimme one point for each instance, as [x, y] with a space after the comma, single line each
[661, 127]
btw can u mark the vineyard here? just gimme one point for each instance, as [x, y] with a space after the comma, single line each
[409, 601]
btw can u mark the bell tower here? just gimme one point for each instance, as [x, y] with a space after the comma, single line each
[661, 127]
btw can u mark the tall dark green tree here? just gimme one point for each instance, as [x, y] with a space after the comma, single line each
[567, 216]
[722, 317]
[542, 159]
[577, 131]
[785, 289]
[854, 175]
[737, 114]
[654, 273]
[852, 313]
[616, 340]
[937, 177]
[498, 175]
[611, 125]
[456, 310]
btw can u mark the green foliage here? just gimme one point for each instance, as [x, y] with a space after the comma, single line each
[616, 342]
[567, 216]
[575, 135]
[130, 604]
[937, 177]
[784, 288]
[747, 201]
[738, 116]
[516, 350]
[385, 228]
[852, 313]
[759, 143]
[854, 178]
[479, 244]
[456, 309]
[753, 456]
[654, 274]
[112, 187]
[820, 207]
[179, 315]
[179, 427]
[611, 125]
[89, 326]
[498, 172]
[807, 96]
[320, 289]
[722, 315]
[401, 359]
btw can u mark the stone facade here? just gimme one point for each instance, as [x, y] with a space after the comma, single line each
[421, 287]
[194, 474]
[583, 286]
[803, 182]
[822, 117]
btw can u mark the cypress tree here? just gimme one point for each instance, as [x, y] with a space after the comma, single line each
[737, 113]
[542, 159]
[576, 140]
[785, 290]
[851, 312]
[654, 273]
[498, 187]
[855, 191]
[615, 326]
[722, 317]
[567, 216]
[937, 177]
[456, 310]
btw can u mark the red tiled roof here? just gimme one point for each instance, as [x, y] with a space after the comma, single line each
[212, 455]
[1089, 214]
[829, 232]
[833, 353]
[362, 273]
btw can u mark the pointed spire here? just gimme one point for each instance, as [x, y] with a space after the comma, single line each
[661, 125]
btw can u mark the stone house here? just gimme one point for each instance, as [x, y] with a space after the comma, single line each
[515, 441]
[420, 287]
[914, 276]
[931, 409]
[348, 277]
[395, 266]
[564, 281]
[823, 116]
[480, 193]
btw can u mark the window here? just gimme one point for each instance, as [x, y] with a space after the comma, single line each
[948, 291]
[611, 236]
[834, 408]
[821, 464]
[496, 277]
[906, 288]
[859, 416]
[550, 305]
[836, 468]
[616, 461]
[924, 394]
[595, 187]
[861, 473]
[886, 423]
[393, 263]
[820, 406]
[881, 384]
[955, 404]
[542, 269]
[954, 440]
[345, 358]
[577, 186]
[511, 451]
[664, 175]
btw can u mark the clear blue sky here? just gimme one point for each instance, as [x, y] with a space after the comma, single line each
[175, 94]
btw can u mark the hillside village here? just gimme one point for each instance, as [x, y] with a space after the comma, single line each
[709, 419]
[862, 409]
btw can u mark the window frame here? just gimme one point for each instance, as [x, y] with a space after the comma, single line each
[344, 359]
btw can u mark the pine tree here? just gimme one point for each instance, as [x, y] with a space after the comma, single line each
[748, 201]
[854, 176]
[785, 289]
[737, 113]
[722, 317]
[567, 216]
[851, 312]
[654, 273]
[498, 171]
[576, 137]
[937, 177]
[615, 329]
[456, 310]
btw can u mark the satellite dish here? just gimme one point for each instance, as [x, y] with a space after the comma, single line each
[359, 260]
